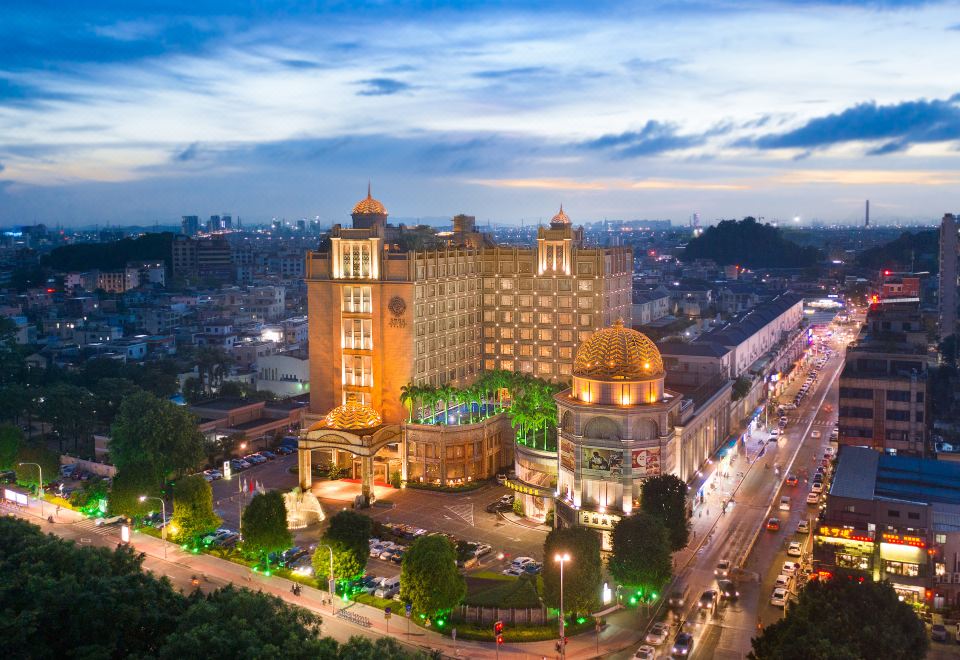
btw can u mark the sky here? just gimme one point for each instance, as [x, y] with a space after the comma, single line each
[118, 112]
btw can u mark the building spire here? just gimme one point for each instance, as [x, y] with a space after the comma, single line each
[368, 190]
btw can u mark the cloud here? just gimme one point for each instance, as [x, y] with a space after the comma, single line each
[382, 86]
[188, 154]
[606, 184]
[955, 27]
[897, 125]
[300, 64]
[869, 177]
[510, 74]
[657, 65]
[654, 138]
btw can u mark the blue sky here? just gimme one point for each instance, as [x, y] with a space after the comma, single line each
[120, 112]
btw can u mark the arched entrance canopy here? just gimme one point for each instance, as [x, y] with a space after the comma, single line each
[359, 443]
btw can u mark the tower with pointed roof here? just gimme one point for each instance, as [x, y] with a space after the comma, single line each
[555, 245]
[369, 213]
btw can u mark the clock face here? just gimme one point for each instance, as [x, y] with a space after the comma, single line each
[397, 306]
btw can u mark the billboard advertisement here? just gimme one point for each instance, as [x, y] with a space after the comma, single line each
[606, 462]
[646, 462]
[566, 455]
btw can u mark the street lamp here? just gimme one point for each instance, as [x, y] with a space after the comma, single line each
[331, 582]
[163, 530]
[39, 484]
[562, 559]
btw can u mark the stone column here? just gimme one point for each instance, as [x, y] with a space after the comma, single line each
[366, 478]
[404, 459]
[305, 468]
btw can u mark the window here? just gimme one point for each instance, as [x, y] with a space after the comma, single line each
[893, 513]
[357, 299]
[545, 318]
[507, 349]
[546, 335]
[844, 560]
[506, 333]
[898, 395]
[526, 333]
[901, 568]
[585, 303]
[856, 393]
[849, 508]
[566, 352]
[545, 368]
[585, 285]
[566, 335]
[546, 351]
[506, 283]
[526, 317]
[506, 300]
[526, 301]
[940, 538]
[913, 515]
[566, 318]
[919, 417]
[898, 415]
[526, 350]
[586, 320]
[856, 412]
[919, 397]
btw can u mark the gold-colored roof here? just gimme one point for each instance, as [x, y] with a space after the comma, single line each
[369, 205]
[560, 218]
[618, 353]
[351, 416]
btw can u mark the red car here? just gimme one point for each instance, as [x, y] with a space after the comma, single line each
[773, 524]
[792, 480]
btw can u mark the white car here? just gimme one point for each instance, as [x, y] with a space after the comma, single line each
[522, 561]
[513, 571]
[829, 451]
[803, 527]
[645, 652]
[815, 434]
[789, 568]
[813, 498]
[658, 634]
[817, 487]
[779, 597]
[723, 568]
[774, 432]
[783, 581]
[794, 550]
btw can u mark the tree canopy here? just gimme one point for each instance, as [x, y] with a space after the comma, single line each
[193, 512]
[86, 256]
[264, 525]
[844, 619]
[151, 431]
[349, 537]
[66, 601]
[911, 250]
[665, 498]
[641, 552]
[751, 244]
[429, 578]
[582, 575]
[131, 482]
[11, 439]
[46, 459]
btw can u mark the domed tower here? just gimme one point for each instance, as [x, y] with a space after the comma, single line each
[616, 428]
[369, 213]
[555, 245]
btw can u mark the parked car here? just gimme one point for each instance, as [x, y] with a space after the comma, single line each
[939, 633]
[813, 498]
[790, 567]
[645, 652]
[255, 459]
[795, 549]
[269, 455]
[284, 450]
[782, 581]
[303, 566]
[779, 597]
[816, 487]
[658, 634]
[514, 571]
[803, 527]
[213, 474]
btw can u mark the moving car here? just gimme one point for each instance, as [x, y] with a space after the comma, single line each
[791, 480]
[774, 432]
[678, 597]
[779, 597]
[815, 434]
[723, 568]
[813, 498]
[795, 549]
[104, 522]
[784, 503]
[708, 601]
[682, 645]
[773, 524]
[728, 590]
[658, 634]
[803, 527]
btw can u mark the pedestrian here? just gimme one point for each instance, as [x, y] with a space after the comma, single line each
[58, 510]
[699, 514]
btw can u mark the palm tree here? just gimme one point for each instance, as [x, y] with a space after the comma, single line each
[406, 399]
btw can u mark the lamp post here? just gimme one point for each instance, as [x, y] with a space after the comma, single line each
[163, 530]
[331, 583]
[39, 485]
[562, 559]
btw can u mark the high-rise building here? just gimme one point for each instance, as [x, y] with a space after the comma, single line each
[382, 317]
[948, 276]
[190, 225]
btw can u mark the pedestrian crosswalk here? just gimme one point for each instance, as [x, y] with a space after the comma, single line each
[90, 525]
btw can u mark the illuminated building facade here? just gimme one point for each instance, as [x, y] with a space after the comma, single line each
[893, 518]
[619, 426]
[382, 317]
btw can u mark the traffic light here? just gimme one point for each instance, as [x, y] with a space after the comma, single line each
[498, 632]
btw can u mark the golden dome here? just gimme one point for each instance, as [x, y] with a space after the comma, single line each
[560, 218]
[352, 415]
[618, 353]
[369, 206]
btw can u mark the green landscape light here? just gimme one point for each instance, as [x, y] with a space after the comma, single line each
[581, 619]
[633, 600]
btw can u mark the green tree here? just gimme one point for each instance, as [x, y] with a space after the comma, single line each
[212, 363]
[641, 552]
[131, 482]
[193, 512]
[843, 618]
[741, 388]
[665, 498]
[35, 453]
[582, 574]
[239, 623]
[349, 537]
[149, 430]
[68, 601]
[429, 579]
[109, 394]
[264, 525]
[383, 648]
[70, 410]
[11, 439]
[749, 243]
[193, 390]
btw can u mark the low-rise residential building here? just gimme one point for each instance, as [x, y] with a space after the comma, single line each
[648, 306]
[284, 374]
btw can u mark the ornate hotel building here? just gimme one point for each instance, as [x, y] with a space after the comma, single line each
[382, 316]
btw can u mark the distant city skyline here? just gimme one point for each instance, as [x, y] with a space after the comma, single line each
[132, 115]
